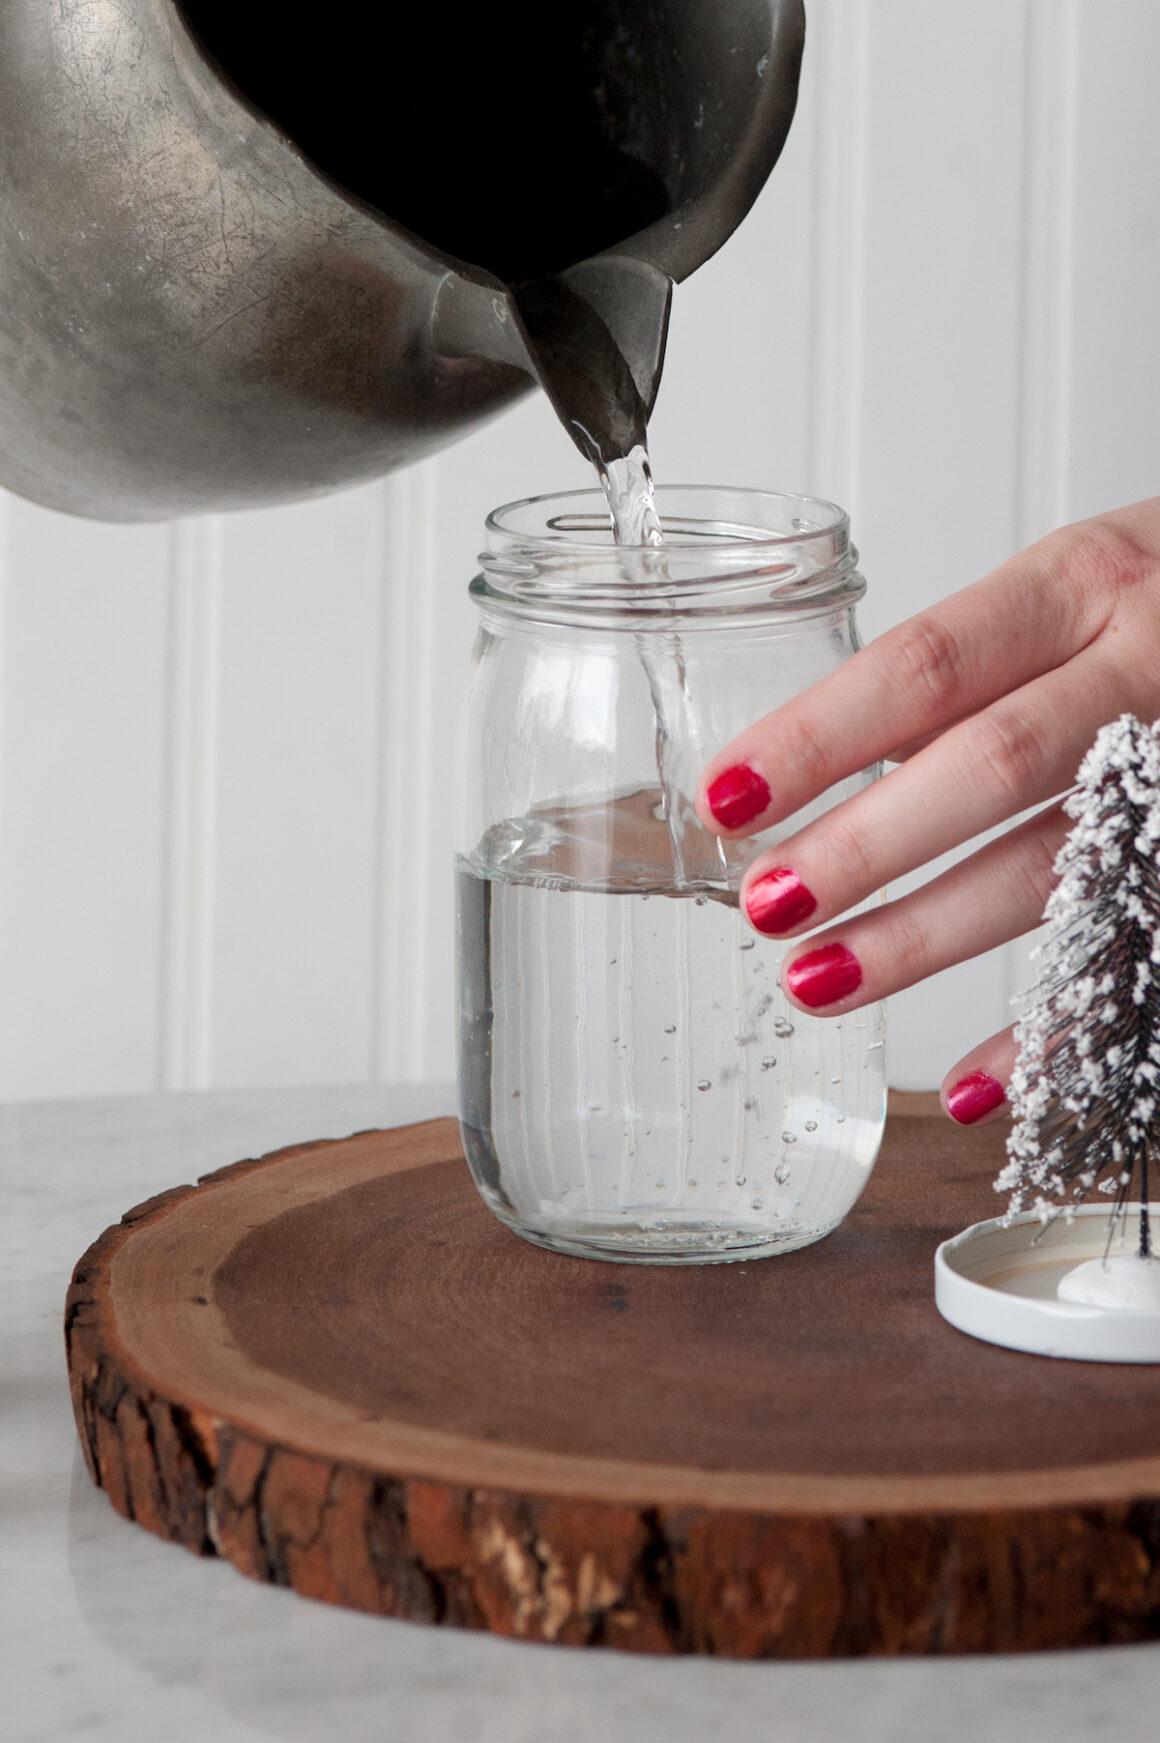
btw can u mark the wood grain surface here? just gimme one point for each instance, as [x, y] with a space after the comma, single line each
[332, 1366]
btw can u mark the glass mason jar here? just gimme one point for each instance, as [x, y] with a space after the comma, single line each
[633, 1085]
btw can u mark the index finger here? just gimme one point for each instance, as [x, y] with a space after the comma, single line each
[1025, 618]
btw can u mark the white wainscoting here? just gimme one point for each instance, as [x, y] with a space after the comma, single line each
[227, 747]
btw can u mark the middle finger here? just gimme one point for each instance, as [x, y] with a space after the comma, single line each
[1015, 754]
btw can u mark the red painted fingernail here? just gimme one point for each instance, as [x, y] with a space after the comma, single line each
[824, 976]
[778, 901]
[974, 1096]
[737, 796]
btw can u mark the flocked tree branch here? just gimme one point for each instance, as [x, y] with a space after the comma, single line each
[1085, 1093]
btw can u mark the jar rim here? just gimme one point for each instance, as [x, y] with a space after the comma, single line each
[834, 520]
[728, 551]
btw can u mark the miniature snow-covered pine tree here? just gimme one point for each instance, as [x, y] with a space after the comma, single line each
[1085, 1093]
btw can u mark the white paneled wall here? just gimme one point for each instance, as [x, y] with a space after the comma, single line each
[227, 747]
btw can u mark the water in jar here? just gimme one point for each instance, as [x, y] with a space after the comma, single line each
[633, 1083]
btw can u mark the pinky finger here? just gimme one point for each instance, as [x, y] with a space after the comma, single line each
[976, 1090]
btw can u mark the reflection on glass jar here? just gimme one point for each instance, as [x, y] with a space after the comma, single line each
[633, 1084]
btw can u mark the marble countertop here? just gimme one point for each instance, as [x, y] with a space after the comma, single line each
[109, 1636]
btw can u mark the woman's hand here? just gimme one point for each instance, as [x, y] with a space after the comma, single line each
[988, 701]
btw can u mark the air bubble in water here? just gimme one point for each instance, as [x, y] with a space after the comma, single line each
[789, 1137]
[741, 1179]
[782, 1028]
[781, 1173]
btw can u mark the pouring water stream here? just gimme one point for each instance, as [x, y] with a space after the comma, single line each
[637, 530]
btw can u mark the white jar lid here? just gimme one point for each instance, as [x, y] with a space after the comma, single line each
[998, 1282]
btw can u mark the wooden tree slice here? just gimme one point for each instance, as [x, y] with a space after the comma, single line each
[332, 1366]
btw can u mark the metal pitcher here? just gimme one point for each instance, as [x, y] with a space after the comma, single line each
[252, 250]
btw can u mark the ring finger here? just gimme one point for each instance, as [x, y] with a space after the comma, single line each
[995, 895]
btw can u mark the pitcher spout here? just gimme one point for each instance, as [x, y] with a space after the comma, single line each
[593, 337]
